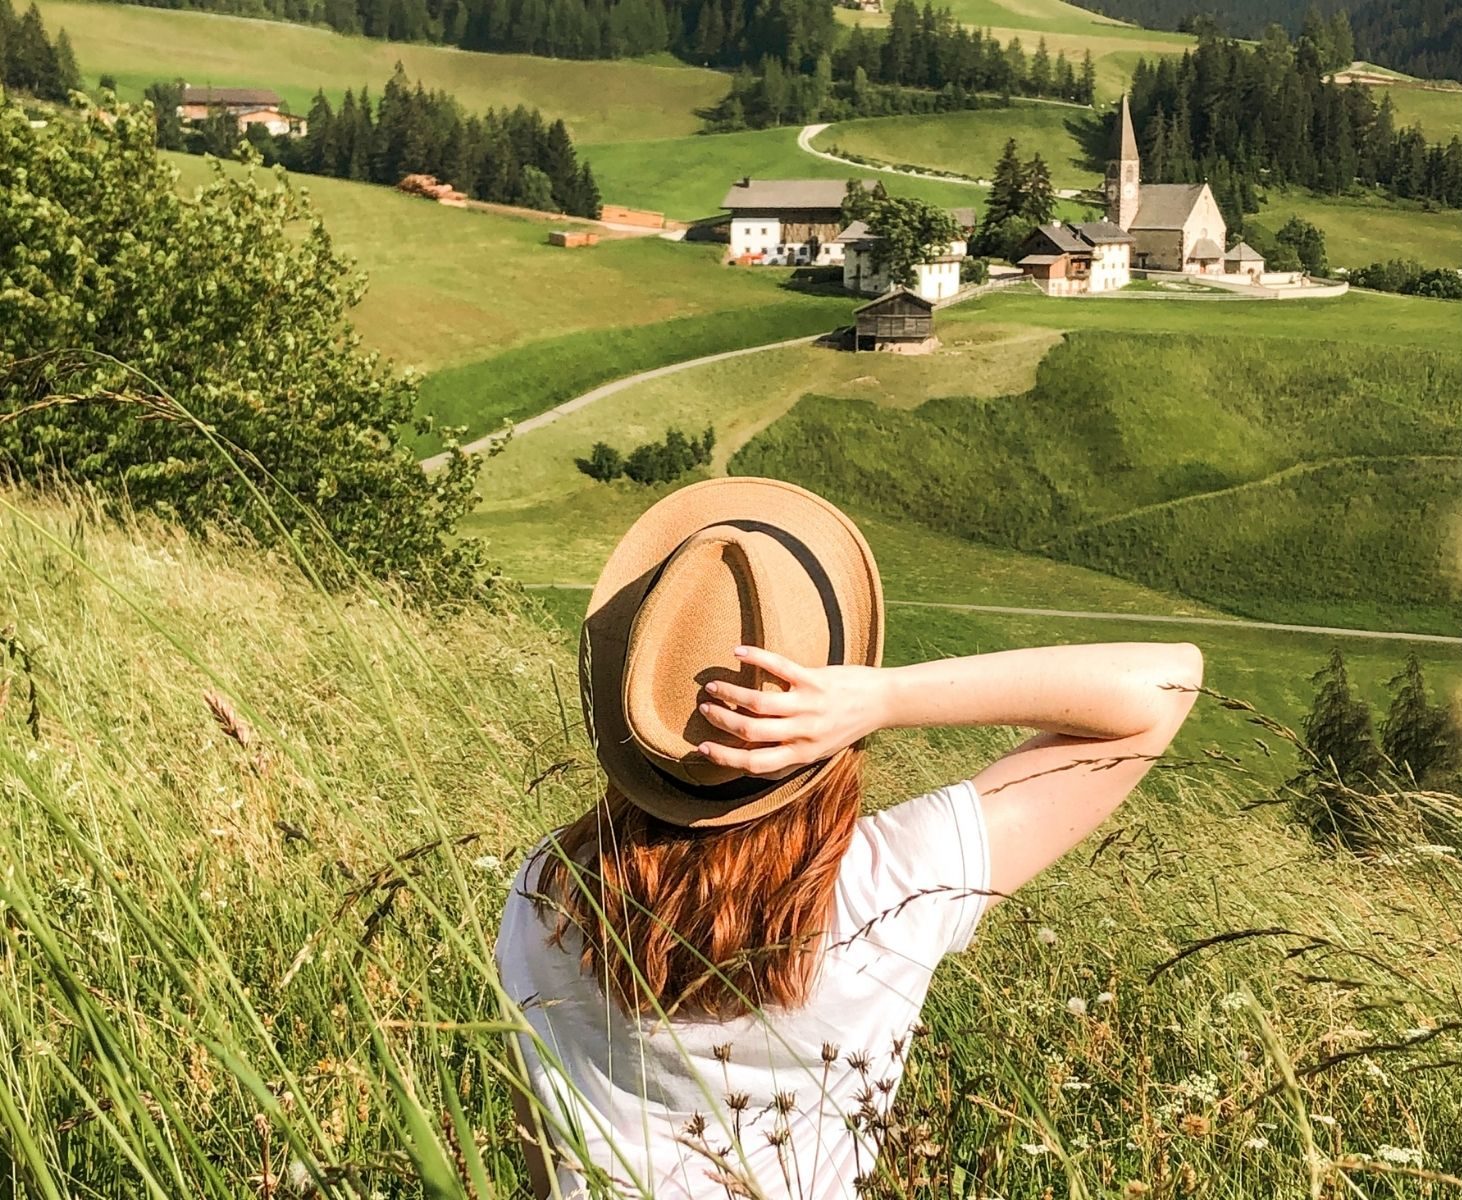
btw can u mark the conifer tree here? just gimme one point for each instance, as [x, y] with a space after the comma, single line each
[1039, 202]
[1040, 70]
[1346, 763]
[1417, 736]
[1087, 94]
[68, 74]
[1007, 190]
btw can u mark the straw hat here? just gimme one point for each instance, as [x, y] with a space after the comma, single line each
[716, 565]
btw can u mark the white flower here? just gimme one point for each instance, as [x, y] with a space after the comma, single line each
[1257, 1142]
[1105, 997]
[1401, 1156]
[490, 863]
[217, 832]
[299, 1177]
[1035, 1149]
[1076, 1006]
[1075, 1085]
[1322, 1119]
[1233, 1000]
[1108, 923]
[1420, 1031]
[1046, 935]
[40, 1048]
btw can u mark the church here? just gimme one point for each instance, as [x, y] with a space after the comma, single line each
[1174, 226]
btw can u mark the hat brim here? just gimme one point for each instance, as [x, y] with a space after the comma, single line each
[827, 532]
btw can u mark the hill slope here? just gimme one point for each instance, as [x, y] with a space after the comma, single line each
[256, 842]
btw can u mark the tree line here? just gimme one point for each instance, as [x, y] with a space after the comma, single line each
[30, 61]
[923, 61]
[1420, 37]
[1363, 785]
[1238, 115]
[511, 156]
[1410, 278]
[713, 32]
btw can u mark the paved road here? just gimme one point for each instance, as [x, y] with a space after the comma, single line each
[437, 461]
[1154, 618]
[804, 142]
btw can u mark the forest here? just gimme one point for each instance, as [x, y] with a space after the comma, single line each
[923, 61]
[1420, 37]
[1240, 116]
[713, 32]
[510, 157]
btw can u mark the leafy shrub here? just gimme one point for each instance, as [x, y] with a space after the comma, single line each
[1410, 278]
[653, 462]
[193, 357]
[974, 270]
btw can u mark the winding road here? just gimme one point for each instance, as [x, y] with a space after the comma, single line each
[482, 444]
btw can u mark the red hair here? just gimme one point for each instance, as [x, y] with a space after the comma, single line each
[703, 922]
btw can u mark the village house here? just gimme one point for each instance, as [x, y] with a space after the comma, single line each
[1070, 260]
[1174, 226]
[247, 106]
[935, 280]
[791, 222]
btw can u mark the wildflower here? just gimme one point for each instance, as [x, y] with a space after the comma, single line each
[1105, 997]
[1257, 1142]
[1076, 1006]
[1073, 1084]
[1195, 1125]
[737, 1101]
[1035, 1149]
[1321, 1119]
[299, 1177]
[785, 1102]
[1400, 1156]
[829, 1054]
[490, 863]
[696, 1125]
[722, 1052]
[1046, 935]
[1233, 1000]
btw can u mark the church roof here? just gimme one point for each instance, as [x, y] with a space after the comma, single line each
[1124, 146]
[1167, 205]
[1243, 252]
[1101, 233]
[1205, 248]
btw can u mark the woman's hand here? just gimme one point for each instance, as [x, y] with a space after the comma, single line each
[823, 710]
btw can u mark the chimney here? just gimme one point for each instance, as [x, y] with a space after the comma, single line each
[745, 181]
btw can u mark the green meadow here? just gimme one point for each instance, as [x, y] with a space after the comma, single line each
[1438, 110]
[971, 142]
[598, 100]
[1358, 232]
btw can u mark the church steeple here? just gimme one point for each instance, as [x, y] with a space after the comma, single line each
[1124, 173]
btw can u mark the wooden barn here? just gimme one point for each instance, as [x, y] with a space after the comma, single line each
[899, 320]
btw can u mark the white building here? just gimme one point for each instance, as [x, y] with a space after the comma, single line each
[791, 222]
[935, 280]
[1071, 260]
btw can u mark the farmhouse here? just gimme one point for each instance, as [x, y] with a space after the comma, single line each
[1070, 260]
[934, 280]
[1174, 226]
[248, 106]
[790, 222]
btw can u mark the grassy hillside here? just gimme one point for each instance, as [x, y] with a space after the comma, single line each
[687, 177]
[1357, 232]
[258, 939]
[1323, 488]
[600, 101]
[1436, 110]
[971, 142]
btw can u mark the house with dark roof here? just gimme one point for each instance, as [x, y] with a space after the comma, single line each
[788, 221]
[247, 106]
[1174, 226]
[1070, 260]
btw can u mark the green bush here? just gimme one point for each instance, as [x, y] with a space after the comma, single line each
[653, 462]
[193, 356]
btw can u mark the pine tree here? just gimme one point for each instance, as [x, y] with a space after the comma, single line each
[1346, 762]
[31, 60]
[1087, 94]
[165, 99]
[561, 166]
[68, 74]
[1040, 70]
[1039, 202]
[586, 198]
[1007, 190]
[1417, 736]
[316, 155]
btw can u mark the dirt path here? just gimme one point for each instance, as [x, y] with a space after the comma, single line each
[804, 143]
[1154, 618]
[437, 461]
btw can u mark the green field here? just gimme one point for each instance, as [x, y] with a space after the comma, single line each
[1358, 232]
[686, 178]
[599, 100]
[1438, 111]
[971, 142]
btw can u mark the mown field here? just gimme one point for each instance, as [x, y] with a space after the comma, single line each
[257, 840]
[599, 100]
[1438, 111]
[1069, 138]
[687, 177]
[1360, 232]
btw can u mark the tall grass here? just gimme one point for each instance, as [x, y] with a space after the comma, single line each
[256, 839]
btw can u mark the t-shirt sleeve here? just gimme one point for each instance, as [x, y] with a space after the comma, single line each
[928, 868]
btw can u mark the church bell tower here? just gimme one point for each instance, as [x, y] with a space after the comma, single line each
[1124, 173]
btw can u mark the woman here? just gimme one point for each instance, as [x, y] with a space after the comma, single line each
[722, 961]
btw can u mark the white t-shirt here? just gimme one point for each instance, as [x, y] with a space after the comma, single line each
[911, 889]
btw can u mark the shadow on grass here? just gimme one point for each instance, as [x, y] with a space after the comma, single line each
[1094, 134]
